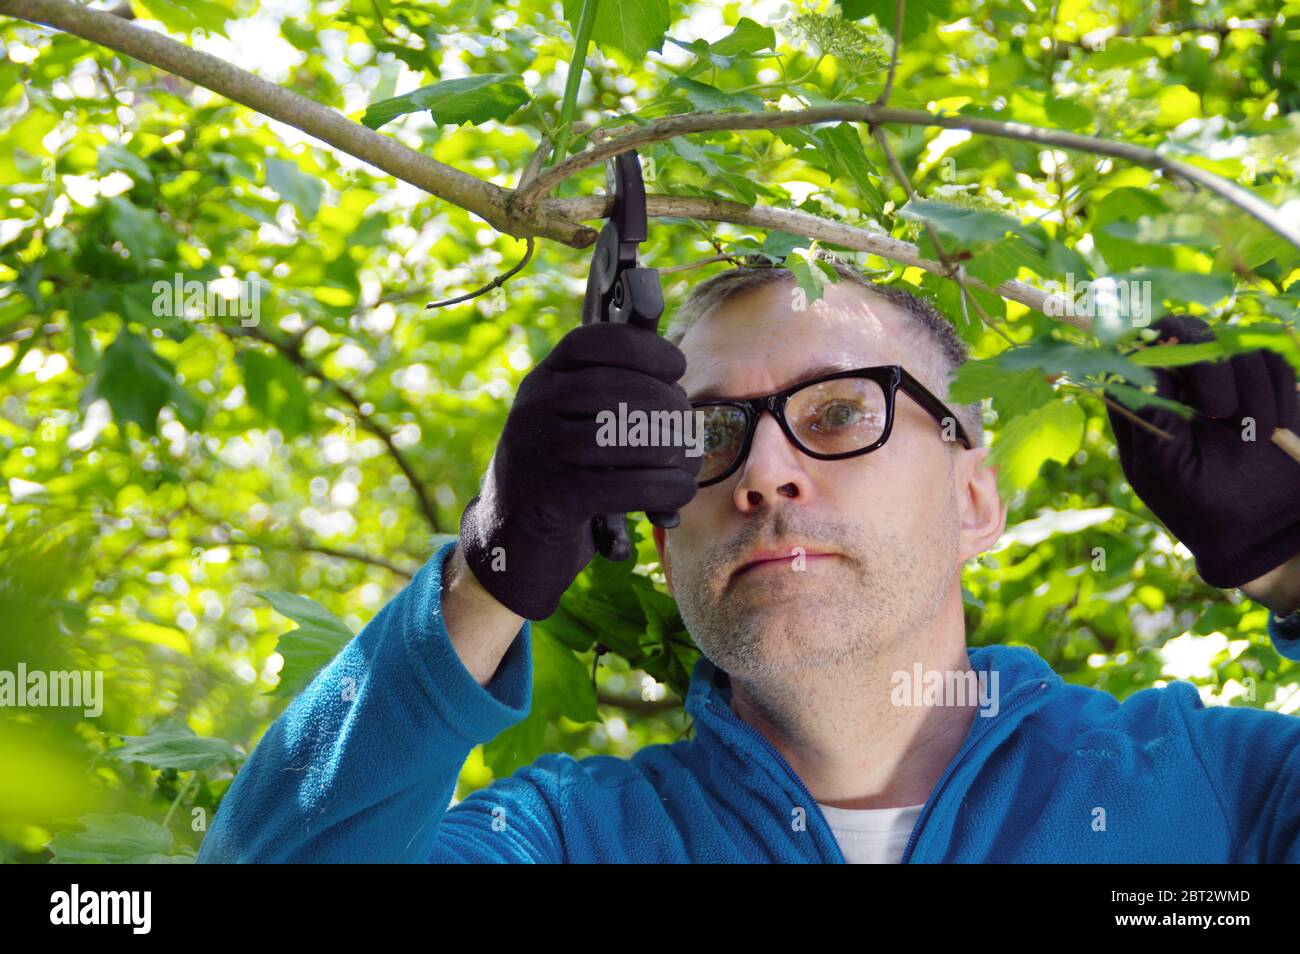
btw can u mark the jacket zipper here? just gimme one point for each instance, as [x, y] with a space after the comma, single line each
[952, 767]
[729, 716]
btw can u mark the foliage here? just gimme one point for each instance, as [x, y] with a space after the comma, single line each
[178, 484]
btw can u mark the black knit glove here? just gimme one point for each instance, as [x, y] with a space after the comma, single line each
[528, 533]
[1235, 503]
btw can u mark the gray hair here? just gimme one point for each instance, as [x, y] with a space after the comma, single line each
[951, 350]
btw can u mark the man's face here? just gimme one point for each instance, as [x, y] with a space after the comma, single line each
[879, 533]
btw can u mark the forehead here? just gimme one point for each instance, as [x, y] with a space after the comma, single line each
[757, 341]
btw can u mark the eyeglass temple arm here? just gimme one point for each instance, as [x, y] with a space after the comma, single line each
[929, 402]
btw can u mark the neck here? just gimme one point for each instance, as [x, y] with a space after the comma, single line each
[841, 727]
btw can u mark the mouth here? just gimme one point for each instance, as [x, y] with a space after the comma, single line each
[783, 559]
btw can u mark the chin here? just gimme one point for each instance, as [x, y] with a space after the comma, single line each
[778, 639]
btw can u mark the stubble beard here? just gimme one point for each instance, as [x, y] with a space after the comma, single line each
[881, 591]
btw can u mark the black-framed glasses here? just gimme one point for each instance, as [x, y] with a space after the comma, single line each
[838, 415]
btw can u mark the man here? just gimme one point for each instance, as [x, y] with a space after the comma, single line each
[818, 558]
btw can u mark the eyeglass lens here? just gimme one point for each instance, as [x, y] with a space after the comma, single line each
[831, 417]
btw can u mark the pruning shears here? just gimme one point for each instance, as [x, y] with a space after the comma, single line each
[620, 290]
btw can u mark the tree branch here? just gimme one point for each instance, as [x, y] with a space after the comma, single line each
[644, 706]
[292, 350]
[825, 230]
[305, 547]
[522, 202]
[526, 213]
[383, 152]
[495, 283]
[899, 10]
[687, 266]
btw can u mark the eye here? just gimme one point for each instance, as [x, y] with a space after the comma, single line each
[836, 414]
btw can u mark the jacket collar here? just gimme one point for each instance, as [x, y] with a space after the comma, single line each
[1025, 682]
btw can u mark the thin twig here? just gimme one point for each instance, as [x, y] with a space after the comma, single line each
[883, 98]
[954, 270]
[293, 351]
[1121, 410]
[22, 334]
[646, 706]
[495, 283]
[687, 266]
[301, 542]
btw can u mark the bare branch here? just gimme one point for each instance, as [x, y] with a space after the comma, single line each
[300, 546]
[644, 706]
[293, 351]
[495, 283]
[226, 533]
[899, 11]
[687, 266]
[22, 334]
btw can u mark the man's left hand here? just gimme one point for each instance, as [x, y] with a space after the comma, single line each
[1219, 483]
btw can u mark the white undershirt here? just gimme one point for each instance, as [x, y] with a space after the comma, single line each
[872, 836]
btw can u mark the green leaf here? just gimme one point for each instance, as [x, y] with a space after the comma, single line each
[1177, 105]
[1003, 260]
[748, 40]
[630, 27]
[111, 158]
[705, 57]
[300, 35]
[136, 382]
[118, 838]
[140, 230]
[810, 279]
[172, 745]
[1167, 284]
[1053, 431]
[276, 390]
[317, 640]
[1135, 398]
[296, 187]
[470, 99]
[1067, 114]
[1128, 205]
[706, 98]
[1052, 356]
[777, 246]
[695, 155]
[954, 305]
[916, 15]
[967, 225]
[561, 687]
[1013, 392]
[849, 161]
[746, 37]
[188, 16]
[1228, 340]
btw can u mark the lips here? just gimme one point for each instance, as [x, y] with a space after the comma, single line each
[783, 555]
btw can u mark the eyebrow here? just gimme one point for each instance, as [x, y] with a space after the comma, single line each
[715, 393]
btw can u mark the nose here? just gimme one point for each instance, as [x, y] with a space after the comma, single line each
[773, 469]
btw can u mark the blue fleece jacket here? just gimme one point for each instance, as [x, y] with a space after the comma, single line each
[362, 766]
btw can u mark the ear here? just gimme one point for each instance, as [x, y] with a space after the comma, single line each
[981, 510]
[661, 544]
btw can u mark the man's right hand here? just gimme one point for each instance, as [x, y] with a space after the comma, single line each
[527, 535]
